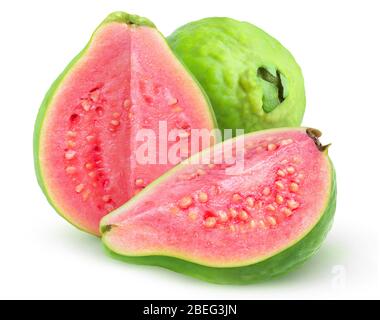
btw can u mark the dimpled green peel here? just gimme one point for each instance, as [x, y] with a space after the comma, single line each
[253, 82]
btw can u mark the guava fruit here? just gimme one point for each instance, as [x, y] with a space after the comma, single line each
[228, 224]
[253, 82]
[86, 132]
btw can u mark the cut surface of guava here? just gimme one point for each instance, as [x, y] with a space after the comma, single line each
[230, 224]
[86, 135]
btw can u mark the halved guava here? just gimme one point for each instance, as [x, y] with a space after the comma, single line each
[227, 223]
[85, 139]
[252, 80]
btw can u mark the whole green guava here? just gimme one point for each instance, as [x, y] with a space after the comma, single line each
[253, 82]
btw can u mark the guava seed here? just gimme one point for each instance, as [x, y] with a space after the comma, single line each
[86, 105]
[92, 174]
[233, 212]
[90, 138]
[287, 211]
[279, 185]
[293, 187]
[70, 144]
[281, 173]
[127, 103]
[89, 165]
[292, 204]
[139, 182]
[236, 198]
[290, 170]
[210, 222]
[272, 220]
[185, 202]
[202, 197]
[250, 202]
[193, 215]
[279, 199]
[115, 123]
[223, 217]
[286, 142]
[69, 155]
[243, 215]
[71, 170]
[79, 188]
[106, 198]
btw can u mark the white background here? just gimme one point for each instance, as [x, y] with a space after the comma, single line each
[337, 45]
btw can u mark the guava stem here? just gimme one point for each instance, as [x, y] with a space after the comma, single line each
[276, 80]
[315, 134]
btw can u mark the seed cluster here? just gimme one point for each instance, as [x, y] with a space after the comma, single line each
[89, 179]
[155, 95]
[265, 207]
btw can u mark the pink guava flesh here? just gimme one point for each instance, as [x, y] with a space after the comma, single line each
[126, 80]
[219, 216]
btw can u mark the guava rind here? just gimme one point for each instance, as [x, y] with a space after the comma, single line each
[276, 265]
[224, 55]
[119, 17]
[123, 17]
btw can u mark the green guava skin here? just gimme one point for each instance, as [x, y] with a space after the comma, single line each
[120, 17]
[225, 55]
[274, 266]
